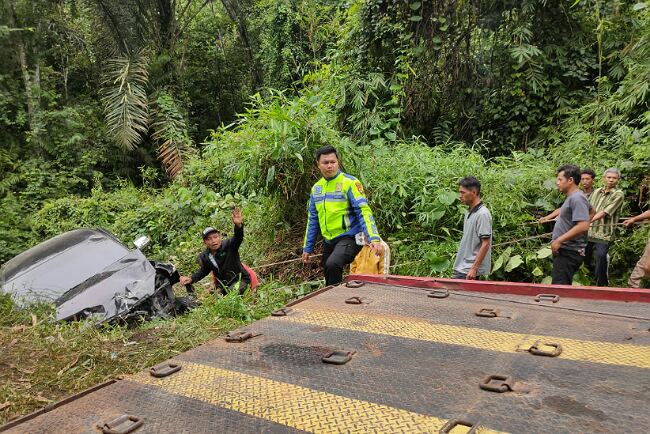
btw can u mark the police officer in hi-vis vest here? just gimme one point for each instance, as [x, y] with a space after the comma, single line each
[339, 211]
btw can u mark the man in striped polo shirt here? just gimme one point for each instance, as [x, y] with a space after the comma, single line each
[606, 202]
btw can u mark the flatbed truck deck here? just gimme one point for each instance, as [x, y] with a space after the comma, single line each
[396, 354]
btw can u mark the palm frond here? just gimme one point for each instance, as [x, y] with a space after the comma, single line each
[126, 107]
[170, 133]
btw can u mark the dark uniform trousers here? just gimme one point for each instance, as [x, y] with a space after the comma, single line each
[336, 255]
[597, 251]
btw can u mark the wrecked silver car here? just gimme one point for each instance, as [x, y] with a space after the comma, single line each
[89, 273]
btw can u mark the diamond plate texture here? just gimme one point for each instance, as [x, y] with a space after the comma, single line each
[490, 340]
[295, 406]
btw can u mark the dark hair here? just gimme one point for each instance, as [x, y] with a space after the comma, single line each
[470, 182]
[589, 172]
[325, 150]
[570, 171]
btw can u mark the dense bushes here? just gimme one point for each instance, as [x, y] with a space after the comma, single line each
[412, 189]
[173, 218]
[414, 95]
[397, 68]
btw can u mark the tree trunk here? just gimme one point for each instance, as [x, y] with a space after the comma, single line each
[231, 7]
[32, 102]
[167, 21]
[27, 81]
[66, 72]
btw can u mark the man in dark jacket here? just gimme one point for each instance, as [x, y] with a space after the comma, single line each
[221, 257]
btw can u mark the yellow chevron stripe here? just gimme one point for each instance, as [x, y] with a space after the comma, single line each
[506, 342]
[287, 404]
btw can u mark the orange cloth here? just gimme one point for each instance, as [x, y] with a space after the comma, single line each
[366, 262]
[254, 280]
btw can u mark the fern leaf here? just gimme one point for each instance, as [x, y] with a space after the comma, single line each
[171, 135]
[125, 99]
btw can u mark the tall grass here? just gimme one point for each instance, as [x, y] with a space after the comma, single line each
[43, 361]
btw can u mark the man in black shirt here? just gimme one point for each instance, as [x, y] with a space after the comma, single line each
[221, 258]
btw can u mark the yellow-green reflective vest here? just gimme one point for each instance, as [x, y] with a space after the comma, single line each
[338, 208]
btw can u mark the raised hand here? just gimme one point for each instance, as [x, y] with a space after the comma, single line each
[236, 217]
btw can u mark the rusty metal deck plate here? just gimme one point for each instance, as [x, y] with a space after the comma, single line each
[417, 361]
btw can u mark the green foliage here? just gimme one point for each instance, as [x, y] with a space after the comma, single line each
[70, 155]
[11, 315]
[173, 219]
[60, 359]
[216, 75]
[295, 37]
[125, 99]
[370, 108]
[615, 126]
[495, 75]
[16, 232]
[415, 95]
[365, 77]
[271, 148]
[412, 190]
[171, 134]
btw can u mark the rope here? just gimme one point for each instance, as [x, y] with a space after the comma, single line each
[458, 293]
[621, 223]
[548, 234]
[518, 240]
[283, 262]
[551, 233]
[310, 282]
[608, 224]
[407, 263]
[495, 245]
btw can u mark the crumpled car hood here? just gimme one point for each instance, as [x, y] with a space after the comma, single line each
[111, 293]
[84, 273]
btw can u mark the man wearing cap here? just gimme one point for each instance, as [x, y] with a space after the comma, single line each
[339, 211]
[221, 257]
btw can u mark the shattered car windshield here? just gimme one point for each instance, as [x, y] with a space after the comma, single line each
[47, 271]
